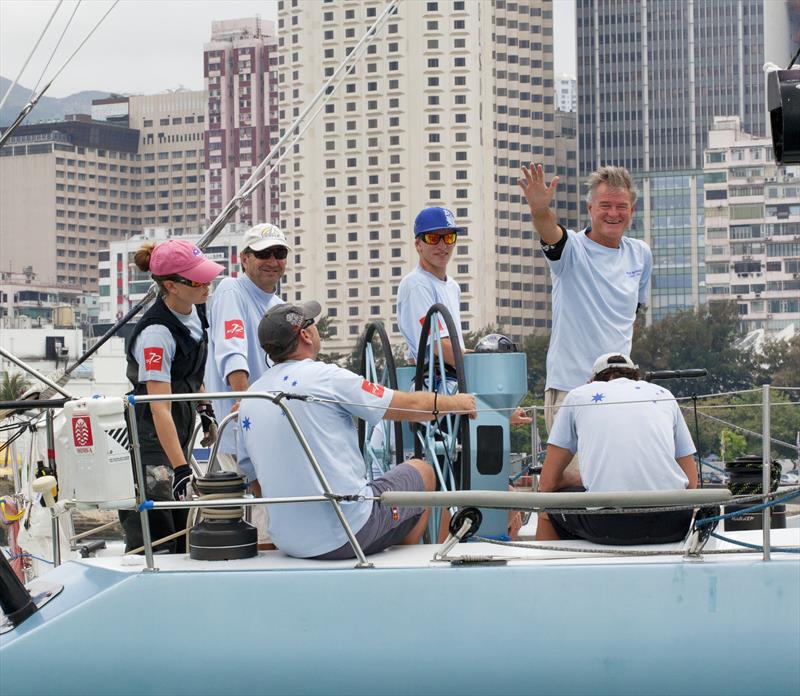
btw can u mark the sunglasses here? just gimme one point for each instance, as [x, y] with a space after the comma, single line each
[280, 253]
[190, 283]
[433, 238]
[306, 324]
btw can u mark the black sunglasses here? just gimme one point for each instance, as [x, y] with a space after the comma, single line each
[279, 253]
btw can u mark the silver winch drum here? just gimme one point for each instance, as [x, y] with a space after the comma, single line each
[222, 534]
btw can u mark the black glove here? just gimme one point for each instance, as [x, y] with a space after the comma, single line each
[181, 476]
[209, 423]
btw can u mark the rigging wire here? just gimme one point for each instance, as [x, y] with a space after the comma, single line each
[58, 43]
[32, 102]
[292, 133]
[27, 60]
[773, 440]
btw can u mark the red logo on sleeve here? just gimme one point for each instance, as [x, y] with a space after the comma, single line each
[234, 328]
[154, 359]
[371, 388]
[81, 432]
[439, 321]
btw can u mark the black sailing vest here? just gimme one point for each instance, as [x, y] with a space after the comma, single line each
[186, 377]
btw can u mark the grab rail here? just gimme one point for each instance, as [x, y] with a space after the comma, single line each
[277, 398]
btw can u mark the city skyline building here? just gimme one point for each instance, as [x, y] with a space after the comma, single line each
[448, 102]
[752, 213]
[171, 129]
[653, 77]
[66, 191]
[568, 205]
[240, 69]
[566, 93]
[123, 285]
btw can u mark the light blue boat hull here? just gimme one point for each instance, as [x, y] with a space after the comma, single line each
[660, 628]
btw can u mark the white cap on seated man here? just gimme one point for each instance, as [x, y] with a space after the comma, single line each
[630, 435]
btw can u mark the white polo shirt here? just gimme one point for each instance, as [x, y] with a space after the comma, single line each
[595, 294]
[627, 435]
[417, 293]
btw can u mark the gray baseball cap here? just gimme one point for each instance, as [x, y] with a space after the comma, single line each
[281, 325]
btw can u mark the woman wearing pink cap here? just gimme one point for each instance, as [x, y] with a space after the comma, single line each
[166, 355]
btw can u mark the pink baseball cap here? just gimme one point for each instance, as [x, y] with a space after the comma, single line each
[179, 257]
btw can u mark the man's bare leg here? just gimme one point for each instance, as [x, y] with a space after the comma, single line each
[545, 531]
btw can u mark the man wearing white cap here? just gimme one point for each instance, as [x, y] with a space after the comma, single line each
[235, 358]
[630, 435]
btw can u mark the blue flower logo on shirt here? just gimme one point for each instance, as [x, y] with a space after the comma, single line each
[597, 398]
[246, 423]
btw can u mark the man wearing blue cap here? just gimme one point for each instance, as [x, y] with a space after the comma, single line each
[435, 233]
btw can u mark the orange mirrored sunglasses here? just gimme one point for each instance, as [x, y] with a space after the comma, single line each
[433, 238]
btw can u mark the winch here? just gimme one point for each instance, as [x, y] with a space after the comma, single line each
[222, 534]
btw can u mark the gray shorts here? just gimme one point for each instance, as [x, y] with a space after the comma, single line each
[385, 526]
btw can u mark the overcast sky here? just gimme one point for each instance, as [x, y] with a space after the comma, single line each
[147, 46]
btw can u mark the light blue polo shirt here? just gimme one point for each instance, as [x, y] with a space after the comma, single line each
[234, 313]
[269, 447]
[595, 294]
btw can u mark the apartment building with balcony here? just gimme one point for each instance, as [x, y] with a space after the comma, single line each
[752, 218]
[240, 68]
[450, 99]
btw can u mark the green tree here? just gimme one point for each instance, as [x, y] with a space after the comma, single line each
[701, 338]
[325, 327]
[742, 414]
[535, 347]
[732, 445]
[779, 364]
[13, 386]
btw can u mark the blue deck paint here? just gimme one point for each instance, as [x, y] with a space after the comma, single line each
[664, 627]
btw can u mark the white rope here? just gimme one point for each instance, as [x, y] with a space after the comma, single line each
[27, 60]
[757, 404]
[528, 409]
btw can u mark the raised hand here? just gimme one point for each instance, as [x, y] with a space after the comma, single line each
[538, 194]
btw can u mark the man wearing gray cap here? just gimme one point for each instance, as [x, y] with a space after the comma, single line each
[630, 435]
[268, 444]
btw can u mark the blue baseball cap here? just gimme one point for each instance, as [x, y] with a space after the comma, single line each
[432, 219]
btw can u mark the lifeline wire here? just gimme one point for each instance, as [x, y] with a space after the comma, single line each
[756, 547]
[746, 430]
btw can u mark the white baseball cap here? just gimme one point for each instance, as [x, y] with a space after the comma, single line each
[263, 236]
[608, 360]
